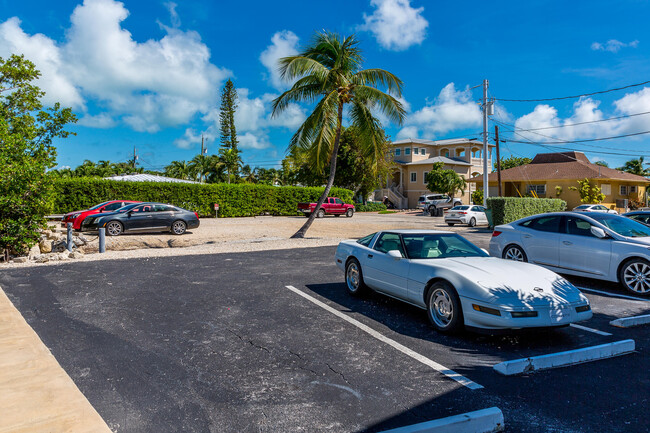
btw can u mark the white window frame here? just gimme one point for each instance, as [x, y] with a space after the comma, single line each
[622, 190]
[407, 151]
[423, 151]
[416, 150]
[414, 176]
[537, 189]
[398, 151]
[424, 177]
[632, 189]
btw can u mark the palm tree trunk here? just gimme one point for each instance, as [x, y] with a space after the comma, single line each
[330, 181]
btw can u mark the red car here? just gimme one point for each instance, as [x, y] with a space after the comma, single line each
[77, 217]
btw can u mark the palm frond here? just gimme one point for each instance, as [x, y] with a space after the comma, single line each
[376, 99]
[379, 77]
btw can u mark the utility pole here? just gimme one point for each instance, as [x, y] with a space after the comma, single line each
[485, 142]
[135, 158]
[496, 134]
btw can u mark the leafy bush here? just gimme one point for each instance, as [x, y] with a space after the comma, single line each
[508, 209]
[371, 206]
[235, 200]
[477, 197]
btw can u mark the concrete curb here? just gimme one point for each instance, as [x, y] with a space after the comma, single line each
[480, 421]
[628, 322]
[562, 359]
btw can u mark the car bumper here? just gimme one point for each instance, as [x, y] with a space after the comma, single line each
[458, 220]
[548, 316]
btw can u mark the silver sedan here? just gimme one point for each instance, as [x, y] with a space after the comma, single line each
[595, 245]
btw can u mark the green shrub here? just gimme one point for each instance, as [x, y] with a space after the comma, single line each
[508, 209]
[235, 200]
[371, 206]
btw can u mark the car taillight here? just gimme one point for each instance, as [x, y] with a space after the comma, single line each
[463, 213]
[197, 215]
[496, 233]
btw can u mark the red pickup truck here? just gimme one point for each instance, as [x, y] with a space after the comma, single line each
[331, 206]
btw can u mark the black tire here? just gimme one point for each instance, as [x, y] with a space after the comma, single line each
[320, 214]
[444, 309]
[179, 227]
[349, 213]
[451, 224]
[634, 275]
[354, 278]
[114, 228]
[433, 211]
[516, 253]
[472, 222]
[337, 215]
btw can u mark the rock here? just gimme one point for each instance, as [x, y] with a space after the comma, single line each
[83, 238]
[78, 241]
[34, 251]
[59, 246]
[42, 259]
[45, 246]
[75, 255]
[22, 259]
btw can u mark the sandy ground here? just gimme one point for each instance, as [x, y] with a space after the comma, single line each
[261, 233]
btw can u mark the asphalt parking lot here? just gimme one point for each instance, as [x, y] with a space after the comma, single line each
[248, 342]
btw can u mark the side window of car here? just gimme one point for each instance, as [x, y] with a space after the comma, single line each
[578, 227]
[389, 242]
[113, 206]
[544, 224]
[162, 208]
[338, 201]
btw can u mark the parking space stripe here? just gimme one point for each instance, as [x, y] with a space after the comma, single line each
[405, 350]
[595, 331]
[613, 295]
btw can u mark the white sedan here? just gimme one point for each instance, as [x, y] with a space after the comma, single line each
[470, 215]
[595, 245]
[594, 208]
[457, 283]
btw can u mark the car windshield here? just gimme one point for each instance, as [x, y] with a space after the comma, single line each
[440, 246]
[623, 226]
[97, 206]
[584, 206]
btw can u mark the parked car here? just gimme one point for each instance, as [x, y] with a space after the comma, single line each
[595, 245]
[77, 217]
[143, 217]
[432, 203]
[594, 208]
[331, 206]
[457, 283]
[639, 215]
[470, 215]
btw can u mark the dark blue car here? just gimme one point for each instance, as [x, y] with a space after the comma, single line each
[141, 217]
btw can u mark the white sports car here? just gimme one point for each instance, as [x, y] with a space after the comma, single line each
[458, 283]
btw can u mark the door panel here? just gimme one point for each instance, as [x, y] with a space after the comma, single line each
[541, 240]
[582, 251]
[385, 273]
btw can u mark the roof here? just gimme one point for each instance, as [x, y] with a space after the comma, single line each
[561, 165]
[439, 143]
[147, 178]
[435, 159]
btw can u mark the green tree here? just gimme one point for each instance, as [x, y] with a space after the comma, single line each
[26, 153]
[477, 197]
[445, 181]
[227, 116]
[635, 166]
[231, 159]
[328, 73]
[602, 163]
[513, 161]
[589, 193]
[200, 166]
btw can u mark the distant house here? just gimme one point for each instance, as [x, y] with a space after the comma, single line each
[551, 174]
[414, 158]
[147, 178]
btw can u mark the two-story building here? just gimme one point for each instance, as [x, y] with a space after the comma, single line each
[414, 158]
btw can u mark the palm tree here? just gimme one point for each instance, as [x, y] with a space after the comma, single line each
[232, 160]
[216, 170]
[329, 69]
[635, 166]
[178, 170]
[248, 174]
[200, 166]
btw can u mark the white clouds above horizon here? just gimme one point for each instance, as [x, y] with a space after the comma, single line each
[396, 24]
[613, 45]
[283, 44]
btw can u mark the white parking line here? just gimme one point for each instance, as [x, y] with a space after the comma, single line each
[613, 295]
[584, 328]
[405, 350]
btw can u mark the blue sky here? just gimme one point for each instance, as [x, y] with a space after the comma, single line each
[149, 74]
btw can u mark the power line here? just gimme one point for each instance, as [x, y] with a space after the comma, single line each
[583, 123]
[591, 139]
[573, 96]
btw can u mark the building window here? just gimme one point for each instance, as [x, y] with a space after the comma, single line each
[606, 188]
[422, 151]
[424, 177]
[447, 154]
[415, 150]
[414, 177]
[407, 151]
[623, 190]
[539, 189]
[632, 189]
[398, 151]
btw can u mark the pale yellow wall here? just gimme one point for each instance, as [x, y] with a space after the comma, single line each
[413, 190]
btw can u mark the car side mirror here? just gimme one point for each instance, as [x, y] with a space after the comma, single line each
[598, 232]
[395, 254]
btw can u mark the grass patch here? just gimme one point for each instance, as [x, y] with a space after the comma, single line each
[384, 212]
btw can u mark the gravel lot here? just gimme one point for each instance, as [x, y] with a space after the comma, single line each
[263, 233]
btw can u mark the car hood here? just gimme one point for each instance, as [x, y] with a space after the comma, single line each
[515, 283]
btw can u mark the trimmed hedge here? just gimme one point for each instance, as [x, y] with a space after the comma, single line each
[371, 206]
[235, 200]
[508, 209]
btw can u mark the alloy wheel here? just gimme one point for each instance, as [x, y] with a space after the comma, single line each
[636, 277]
[352, 277]
[114, 228]
[178, 227]
[441, 308]
[514, 253]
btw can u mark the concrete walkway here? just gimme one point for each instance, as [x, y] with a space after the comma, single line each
[36, 394]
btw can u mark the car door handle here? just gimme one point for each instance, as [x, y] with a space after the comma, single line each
[370, 256]
[567, 243]
[528, 236]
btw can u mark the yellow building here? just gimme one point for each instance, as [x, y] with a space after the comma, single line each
[414, 158]
[551, 175]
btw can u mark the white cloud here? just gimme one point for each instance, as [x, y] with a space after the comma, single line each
[173, 15]
[395, 24]
[101, 120]
[283, 44]
[613, 45]
[451, 110]
[148, 85]
[253, 141]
